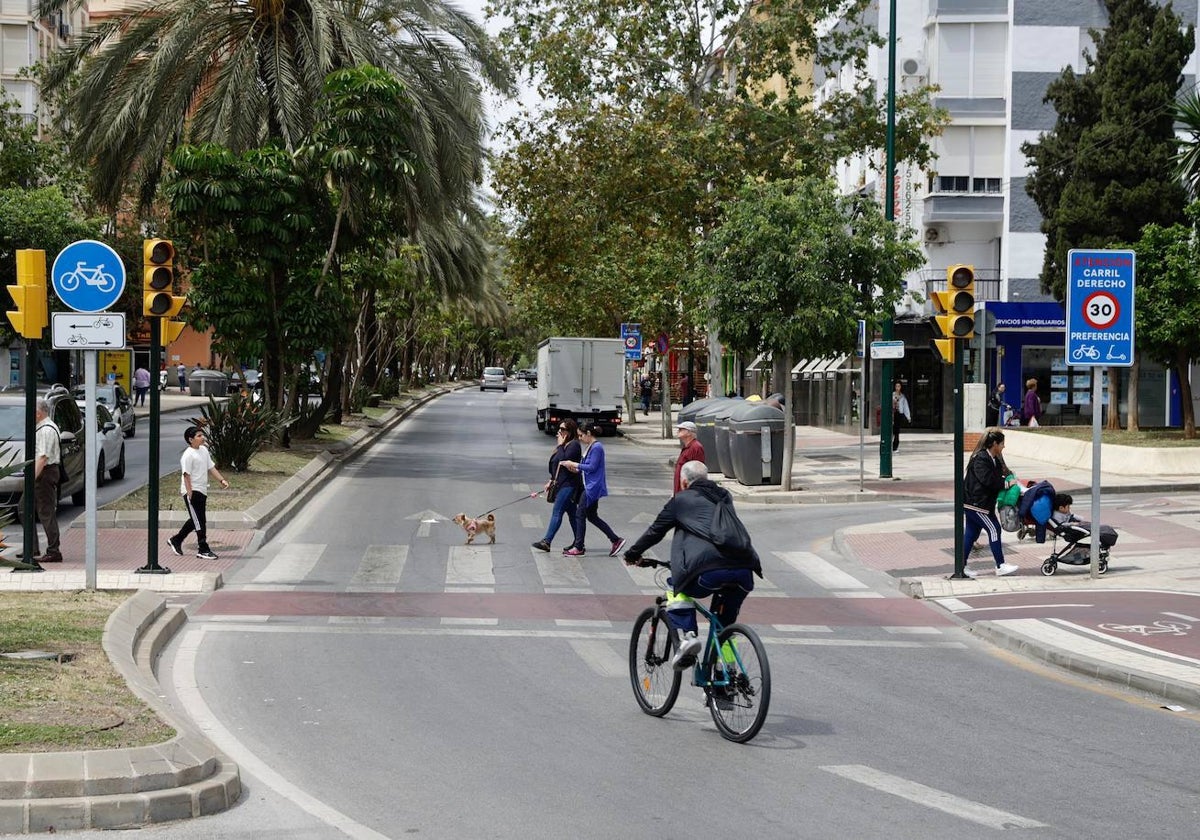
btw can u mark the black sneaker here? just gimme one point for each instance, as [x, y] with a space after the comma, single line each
[206, 555]
[542, 545]
[175, 547]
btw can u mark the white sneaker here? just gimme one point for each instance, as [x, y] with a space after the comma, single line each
[689, 646]
[971, 573]
[1006, 569]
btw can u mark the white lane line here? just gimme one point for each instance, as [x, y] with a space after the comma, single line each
[857, 594]
[482, 622]
[381, 566]
[954, 605]
[928, 797]
[1181, 615]
[965, 608]
[197, 709]
[470, 565]
[913, 631]
[600, 657]
[291, 565]
[819, 571]
[583, 622]
[802, 628]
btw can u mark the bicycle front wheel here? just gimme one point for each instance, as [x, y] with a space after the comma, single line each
[655, 682]
[740, 708]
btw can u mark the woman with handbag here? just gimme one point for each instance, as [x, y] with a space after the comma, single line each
[1032, 408]
[563, 488]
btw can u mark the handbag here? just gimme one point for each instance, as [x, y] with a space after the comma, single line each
[552, 493]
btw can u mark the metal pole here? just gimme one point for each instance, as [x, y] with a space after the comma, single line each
[152, 567]
[889, 213]
[91, 479]
[1097, 410]
[29, 516]
[960, 559]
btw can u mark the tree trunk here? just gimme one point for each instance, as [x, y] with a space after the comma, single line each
[1114, 399]
[1182, 365]
[789, 426]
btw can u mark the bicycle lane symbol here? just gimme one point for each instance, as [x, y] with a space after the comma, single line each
[88, 276]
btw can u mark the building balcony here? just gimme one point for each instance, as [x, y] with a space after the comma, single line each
[946, 207]
[987, 282]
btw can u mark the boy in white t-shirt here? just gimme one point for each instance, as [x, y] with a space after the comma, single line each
[196, 465]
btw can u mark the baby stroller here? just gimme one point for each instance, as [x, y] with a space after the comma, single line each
[1036, 510]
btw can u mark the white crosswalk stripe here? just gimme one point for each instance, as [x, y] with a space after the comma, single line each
[559, 572]
[820, 571]
[291, 565]
[380, 569]
[470, 565]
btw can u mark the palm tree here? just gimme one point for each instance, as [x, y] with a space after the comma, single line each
[244, 72]
[1187, 158]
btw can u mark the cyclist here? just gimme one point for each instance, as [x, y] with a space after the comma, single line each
[698, 567]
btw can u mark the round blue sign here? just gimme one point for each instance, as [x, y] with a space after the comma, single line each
[88, 276]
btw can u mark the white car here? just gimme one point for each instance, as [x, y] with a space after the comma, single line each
[493, 377]
[110, 445]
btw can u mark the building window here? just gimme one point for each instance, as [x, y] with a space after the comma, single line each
[985, 185]
[952, 183]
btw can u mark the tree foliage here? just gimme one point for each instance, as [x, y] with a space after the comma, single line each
[1105, 170]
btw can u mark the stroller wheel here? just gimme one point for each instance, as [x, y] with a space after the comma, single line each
[1102, 566]
[1022, 533]
[1049, 568]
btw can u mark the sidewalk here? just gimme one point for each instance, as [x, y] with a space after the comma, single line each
[1153, 646]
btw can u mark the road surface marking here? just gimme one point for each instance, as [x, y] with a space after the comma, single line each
[583, 622]
[380, 567]
[532, 521]
[819, 571]
[291, 565]
[1181, 615]
[481, 622]
[1188, 676]
[802, 628]
[470, 565]
[954, 605]
[913, 631]
[560, 570]
[965, 608]
[929, 797]
[600, 657]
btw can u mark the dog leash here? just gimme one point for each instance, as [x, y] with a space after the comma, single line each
[513, 502]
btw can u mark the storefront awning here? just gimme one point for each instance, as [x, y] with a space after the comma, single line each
[759, 360]
[815, 366]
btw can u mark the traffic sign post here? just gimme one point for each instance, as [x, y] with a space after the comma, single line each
[88, 276]
[76, 331]
[1100, 321]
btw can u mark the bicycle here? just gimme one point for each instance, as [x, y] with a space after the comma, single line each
[733, 670]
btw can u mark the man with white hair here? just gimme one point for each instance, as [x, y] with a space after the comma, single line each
[692, 450]
[699, 568]
[47, 457]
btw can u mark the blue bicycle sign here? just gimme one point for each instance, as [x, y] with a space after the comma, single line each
[88, 276]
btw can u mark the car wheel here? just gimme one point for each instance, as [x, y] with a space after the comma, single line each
[118, 472]
[132, 429]
[100, 472]
[79, 497]
[506, 389]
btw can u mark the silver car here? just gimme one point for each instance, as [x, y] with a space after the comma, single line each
[110, 444]
[493, 377]
[116, 400]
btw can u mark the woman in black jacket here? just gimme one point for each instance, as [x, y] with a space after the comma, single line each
[564, 483]
[987, 475]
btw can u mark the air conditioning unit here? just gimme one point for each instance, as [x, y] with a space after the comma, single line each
[913, 66]
[935, 235]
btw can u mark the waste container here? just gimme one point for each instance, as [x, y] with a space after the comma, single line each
[689, 411]
[706, 431]
[756, 443]
[208, 383]
[721, 429]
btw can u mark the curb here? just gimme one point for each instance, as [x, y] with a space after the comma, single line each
[123, 788]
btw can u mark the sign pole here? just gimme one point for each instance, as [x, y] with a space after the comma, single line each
[960, 559]
[1097, 410]
[152, 567]
[89, 470]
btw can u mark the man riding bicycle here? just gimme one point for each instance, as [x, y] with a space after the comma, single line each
[699, 567]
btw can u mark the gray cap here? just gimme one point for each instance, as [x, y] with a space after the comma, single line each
[687, 424]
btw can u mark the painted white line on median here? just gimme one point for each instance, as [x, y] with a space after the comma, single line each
[1181, 615]
[928, 797]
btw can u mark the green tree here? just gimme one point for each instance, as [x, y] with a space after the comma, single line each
[793, 266]
[1168, 302]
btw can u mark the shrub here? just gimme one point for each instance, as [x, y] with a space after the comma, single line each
[238, 428]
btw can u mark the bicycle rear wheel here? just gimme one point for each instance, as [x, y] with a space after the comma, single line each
[655, 682]
[740, 708]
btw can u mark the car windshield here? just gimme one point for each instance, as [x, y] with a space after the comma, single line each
[104, 394]
[12, 422]
[493, 371]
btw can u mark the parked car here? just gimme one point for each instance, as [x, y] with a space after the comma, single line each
[116, 400]
[493, 377]
[67, 415]
[110, 445]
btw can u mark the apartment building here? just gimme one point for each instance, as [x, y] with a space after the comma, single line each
[26, 40]
[992, 61]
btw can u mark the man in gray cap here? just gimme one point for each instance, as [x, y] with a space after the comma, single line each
[692, 450]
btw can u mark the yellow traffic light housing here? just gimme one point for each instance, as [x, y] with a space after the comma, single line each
[943, 349]
[960, 282]
[171, 330]
[30, 318]
[158, 280]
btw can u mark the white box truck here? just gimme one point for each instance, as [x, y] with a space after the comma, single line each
[581, 378]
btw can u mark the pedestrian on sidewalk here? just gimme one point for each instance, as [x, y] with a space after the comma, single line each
[1033, 403]
[564, 486]
[647, 388]
[46, 476]
[987, 475]
[141, 385]
[900, 412]
[181, 372]
[995, 407]
[692, 450]
[196, 466]
[591, 467]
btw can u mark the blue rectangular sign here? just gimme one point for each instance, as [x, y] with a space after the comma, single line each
[1100, 286]
[631, 334]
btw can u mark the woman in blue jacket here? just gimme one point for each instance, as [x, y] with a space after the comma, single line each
[591, 467]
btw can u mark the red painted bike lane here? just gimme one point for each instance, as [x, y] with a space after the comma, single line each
[1168, 622]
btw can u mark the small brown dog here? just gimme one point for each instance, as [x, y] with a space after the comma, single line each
[484, 525]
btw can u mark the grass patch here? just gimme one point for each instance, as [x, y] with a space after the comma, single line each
[82, 704]
[1158, 438]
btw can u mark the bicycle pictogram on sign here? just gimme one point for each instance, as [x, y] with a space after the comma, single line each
[88, 276]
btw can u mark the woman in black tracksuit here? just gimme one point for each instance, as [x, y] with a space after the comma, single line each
[987, 475]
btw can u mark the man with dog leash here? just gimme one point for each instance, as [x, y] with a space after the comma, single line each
[711, 554]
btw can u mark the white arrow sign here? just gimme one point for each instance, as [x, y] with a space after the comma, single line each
[77, 331]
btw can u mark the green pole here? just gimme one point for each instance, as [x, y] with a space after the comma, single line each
[152, 567]
[960, 560]
[889, 213]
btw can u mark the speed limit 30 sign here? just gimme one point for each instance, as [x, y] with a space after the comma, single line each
[1100, 287]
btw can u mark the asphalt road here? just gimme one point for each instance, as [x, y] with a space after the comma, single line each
[375, 678]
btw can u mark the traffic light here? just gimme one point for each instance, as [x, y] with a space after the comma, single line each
[29, 318]
[158, 280]
[171, 330]
[954, 310]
